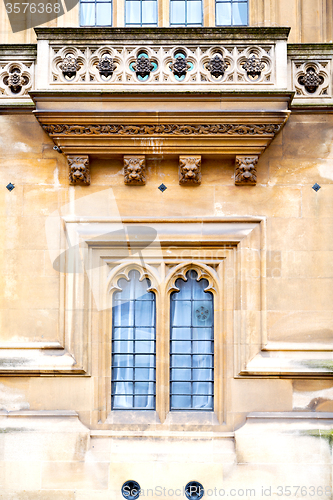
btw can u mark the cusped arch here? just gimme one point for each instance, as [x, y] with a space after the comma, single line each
[122, 272]
[203, 271]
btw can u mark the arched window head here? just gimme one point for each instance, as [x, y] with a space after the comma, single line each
[191, 345]
[133, 345]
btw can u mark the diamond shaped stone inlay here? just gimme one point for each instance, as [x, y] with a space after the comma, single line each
[162, 187]
[10, 186]
[316, 187]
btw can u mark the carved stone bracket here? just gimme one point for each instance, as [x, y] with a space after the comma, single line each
[135, 170]
[189, 170]
[245, 170]
[79, 172]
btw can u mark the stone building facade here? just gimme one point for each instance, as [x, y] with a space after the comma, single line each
[166, 252]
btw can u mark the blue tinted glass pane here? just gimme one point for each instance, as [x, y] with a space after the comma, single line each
[142, 360]
[122, 333]
[202, 313]
[179, 361]
[123, 314]
[194, 14]
[122, 373]
[239, 14]
[122, 402]
[103, 14]
[180, 346]
[204, 361]
[181, 334]
[198, 290]
[144, 313]
[122, 346]
[184, 287]
[223, 14]
[144, 402]
[181, 313]
[177, 12]
[202, 388]
[87, 14]
[181, 374]
[144, 388]
[203, 347]
[203, 374]
[133, 12]
[144, 347]
[202, 333]
[144, 374]
[181, 402]
[144, 334]
[122, 360]
[149, 12]
[203, 402]
[181, 387]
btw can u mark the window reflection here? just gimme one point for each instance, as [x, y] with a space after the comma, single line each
[95, 13]
[191, 345]
[133, 345]
[141, 12]
[185, 12]
[231, 12]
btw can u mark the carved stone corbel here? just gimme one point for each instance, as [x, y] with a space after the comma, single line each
[79, 172]
[135, 170]
[189, 170]
[245, 170]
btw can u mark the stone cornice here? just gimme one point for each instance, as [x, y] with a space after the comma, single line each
[163, 35]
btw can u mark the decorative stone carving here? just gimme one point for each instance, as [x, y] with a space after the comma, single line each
[311, 80]
[180, 66]
[246, 172]
[217, 66]
[143, 66]
[79, 172]
[164, 129]
[69, 66]
[192, 64]
[15, 79]
[253, 66]
[106, 66]
[135, 170]
[189, 170]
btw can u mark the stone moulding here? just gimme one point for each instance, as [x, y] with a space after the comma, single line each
[135, 170]
[189, 170]
[167, 129]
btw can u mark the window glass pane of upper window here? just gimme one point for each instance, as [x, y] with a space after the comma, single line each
[87, 14]
[149, 12]
[223, 14]
[141, 12]
[191, 345]
[133, 12]
[177, 12]
[231, 12]
[194, 13]
[133, 345]
[103, 14]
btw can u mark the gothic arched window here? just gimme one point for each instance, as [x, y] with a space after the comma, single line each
[191, 345]
[133, 345]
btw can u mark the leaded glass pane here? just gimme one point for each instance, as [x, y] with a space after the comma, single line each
[133, 345]
[191, 345]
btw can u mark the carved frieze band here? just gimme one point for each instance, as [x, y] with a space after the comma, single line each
[245, 170]
[79, 172]
[167, 129]
[189, 170]
[135, 170]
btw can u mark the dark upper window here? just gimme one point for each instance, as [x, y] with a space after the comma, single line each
[191, 345]
[133, 345]
[185, 13]
[231, 12]
[96, 13]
